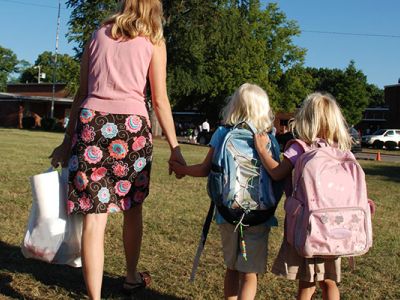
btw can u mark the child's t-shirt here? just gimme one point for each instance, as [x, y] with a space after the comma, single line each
[292, 154]
[216, 139]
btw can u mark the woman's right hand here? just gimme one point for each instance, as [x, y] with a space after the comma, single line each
[61, 154]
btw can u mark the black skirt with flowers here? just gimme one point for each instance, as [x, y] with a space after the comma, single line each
[109, 168]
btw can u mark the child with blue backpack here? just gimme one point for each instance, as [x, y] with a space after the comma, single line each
[318, 121]
[244, 247]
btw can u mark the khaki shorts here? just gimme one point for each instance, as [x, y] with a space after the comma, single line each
[292, 266]
[256, 238]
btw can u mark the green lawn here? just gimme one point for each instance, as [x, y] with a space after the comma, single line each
[173, 216]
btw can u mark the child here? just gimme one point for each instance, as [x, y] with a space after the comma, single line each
[318, 118]
[249, 103]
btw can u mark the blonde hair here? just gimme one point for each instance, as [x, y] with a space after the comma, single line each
[321, 117]
[249, 103]
[138, 18]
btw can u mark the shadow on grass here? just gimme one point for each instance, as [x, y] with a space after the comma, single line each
[388, 172]
[70, 279]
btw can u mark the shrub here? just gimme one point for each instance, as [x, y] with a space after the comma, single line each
[48, 123]
[28, 122]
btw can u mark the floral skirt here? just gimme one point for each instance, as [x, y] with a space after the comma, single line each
[109, 168]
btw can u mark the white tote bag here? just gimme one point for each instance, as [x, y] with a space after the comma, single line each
[52, 236]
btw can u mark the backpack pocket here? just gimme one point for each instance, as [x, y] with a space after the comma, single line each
[337, 232]
[294, 209]
[215, 185]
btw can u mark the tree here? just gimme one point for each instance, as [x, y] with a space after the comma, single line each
[86, 16]
[215, 46]
[8, 65]
[348, 86]
[376, 95]
[67, 70]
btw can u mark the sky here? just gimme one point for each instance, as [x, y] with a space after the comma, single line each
[333, 32]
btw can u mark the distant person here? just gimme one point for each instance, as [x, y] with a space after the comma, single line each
[108, 143]
[20, 115]
[37, 119]
[318, 118]
[248, 103]
[205, 126]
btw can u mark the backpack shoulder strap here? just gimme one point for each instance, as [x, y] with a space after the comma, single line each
[299, 142]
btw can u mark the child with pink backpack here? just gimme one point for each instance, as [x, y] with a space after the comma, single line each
[327, 209]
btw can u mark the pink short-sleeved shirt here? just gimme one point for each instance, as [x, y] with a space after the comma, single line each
[118, 73]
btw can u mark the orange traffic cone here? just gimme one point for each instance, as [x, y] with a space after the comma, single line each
[378, 156]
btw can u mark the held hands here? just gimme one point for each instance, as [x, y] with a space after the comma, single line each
[261, 141]
[176, 162]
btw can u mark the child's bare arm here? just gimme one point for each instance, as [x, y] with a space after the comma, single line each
[275, 169]
[199, 170]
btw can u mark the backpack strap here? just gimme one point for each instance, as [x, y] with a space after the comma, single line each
[203, 238]
[302, 144]
[248, 124]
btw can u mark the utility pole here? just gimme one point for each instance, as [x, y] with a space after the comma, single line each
[55, 61]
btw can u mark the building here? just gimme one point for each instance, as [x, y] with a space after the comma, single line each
[33, 100]
[392, 100]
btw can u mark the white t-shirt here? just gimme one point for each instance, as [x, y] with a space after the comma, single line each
[205, 126]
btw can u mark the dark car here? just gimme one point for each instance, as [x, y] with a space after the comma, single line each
[356, 138]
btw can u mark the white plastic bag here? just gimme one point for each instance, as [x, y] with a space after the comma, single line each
[52, 236]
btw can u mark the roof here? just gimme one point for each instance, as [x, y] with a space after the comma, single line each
[16, 97]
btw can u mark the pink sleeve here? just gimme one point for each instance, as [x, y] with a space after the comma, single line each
[293, 153]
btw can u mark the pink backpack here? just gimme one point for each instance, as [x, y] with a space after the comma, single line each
[328, 212]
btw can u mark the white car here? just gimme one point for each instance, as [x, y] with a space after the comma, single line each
[390, 138]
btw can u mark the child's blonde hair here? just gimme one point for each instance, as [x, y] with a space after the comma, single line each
[138, 18]
[249, 103]
[321, 117]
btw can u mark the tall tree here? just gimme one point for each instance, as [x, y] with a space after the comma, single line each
[85, 17]
[348, 86]
[67, 70]
[213, 47]
[8, 65]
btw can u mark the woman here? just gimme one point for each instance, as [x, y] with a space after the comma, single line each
[109, 134]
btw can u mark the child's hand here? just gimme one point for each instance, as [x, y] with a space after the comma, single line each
[261, 141]
[177, 168]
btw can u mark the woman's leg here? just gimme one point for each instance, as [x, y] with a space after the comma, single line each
[132, 237]
[306, 290]
[93, 253]
[248, 286]
[330, 290]
[231, 284]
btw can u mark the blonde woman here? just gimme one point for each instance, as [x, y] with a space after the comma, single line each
[318, 118]
[249, 103]
[110, 136]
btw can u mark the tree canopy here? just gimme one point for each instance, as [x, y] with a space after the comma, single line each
[215, 46]
[8, 65]
[67, 70]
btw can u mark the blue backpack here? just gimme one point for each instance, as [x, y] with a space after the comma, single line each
[238, 184]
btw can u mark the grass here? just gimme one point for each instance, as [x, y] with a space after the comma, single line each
[173, 216]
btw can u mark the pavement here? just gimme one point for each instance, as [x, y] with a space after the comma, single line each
[365, 155]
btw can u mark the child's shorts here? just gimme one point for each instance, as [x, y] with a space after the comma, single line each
[295, 267]
[256, 238]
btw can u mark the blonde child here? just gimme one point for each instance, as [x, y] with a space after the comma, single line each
[318, 118]
[249, 103]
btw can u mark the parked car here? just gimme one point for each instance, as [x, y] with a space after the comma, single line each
[356, 137]
[390, 138]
